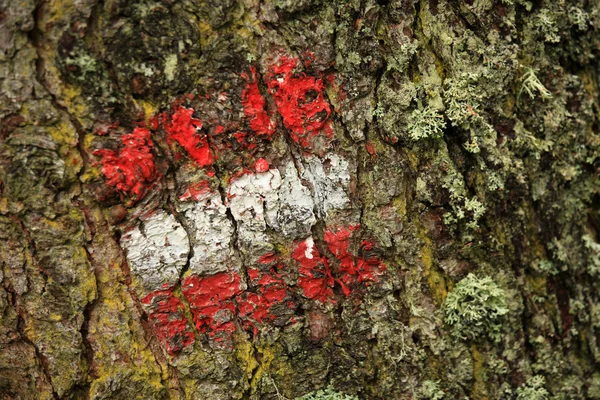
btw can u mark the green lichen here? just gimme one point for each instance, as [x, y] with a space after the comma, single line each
[579, 18]
[468, 210]
[85, 63]
[594, 389]
[532, 86]
[533, 389]
[354, 58]
[547, 26]
[426, 123]
[464, 100]
[326, 394]
[400, 59]
[545, 266]
[170, 66]
[475, 308]
[431, 391]
[594, 248]
[379, 111]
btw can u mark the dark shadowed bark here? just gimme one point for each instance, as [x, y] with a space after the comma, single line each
[259, 199]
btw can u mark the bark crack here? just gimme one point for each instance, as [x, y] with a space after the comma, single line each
[148, 332]
[41, 357]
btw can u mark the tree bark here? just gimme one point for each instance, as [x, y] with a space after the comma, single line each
[259, 199]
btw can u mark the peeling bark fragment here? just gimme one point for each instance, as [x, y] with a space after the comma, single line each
[157, 251]
[320, 325]
[211, 234]
[330, 179]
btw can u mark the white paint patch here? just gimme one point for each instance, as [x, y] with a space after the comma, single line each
[211, 235]
[157, 250]
[330, 178]
[253, 200]
[310, 244]
[249, 195]
[294, 206]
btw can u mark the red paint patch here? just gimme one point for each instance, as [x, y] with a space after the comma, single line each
[178, 102]
[166, 313]
[245, 140]
[132, 168]
[255, 307]
[261, 165]
[254, 107]
[315, 278]
[353, 269]
[371, 149]
[300, 102]
[211, 300]
[308, 58]
[184, 129]
[268, 258]
[339, 242]
[155, 122]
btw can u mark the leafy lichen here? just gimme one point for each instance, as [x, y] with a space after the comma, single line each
[475, 308]
[431, 391]
[426, 123]
[326, 394]
[533, 389]
[532, 86]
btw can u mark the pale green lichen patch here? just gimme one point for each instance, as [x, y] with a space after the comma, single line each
[431, 391]
[533, 389]
[426, 123]
[532, 86]
[475, 307]
[326, 394]
[170, 66]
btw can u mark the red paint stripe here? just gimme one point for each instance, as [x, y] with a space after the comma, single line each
[131, 169]
[300, 102]
[185, 130]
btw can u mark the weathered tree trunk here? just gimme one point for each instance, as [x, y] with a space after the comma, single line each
[258, 199]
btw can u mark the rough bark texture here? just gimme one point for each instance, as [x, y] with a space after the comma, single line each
[257, 199]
